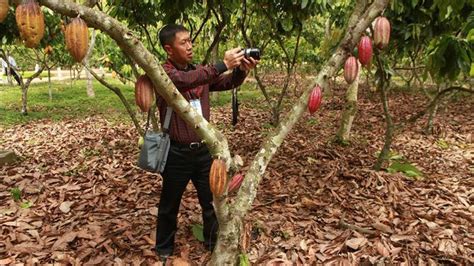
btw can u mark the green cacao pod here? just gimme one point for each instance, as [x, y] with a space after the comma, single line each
[144, 93]
[3, 10]
[77, 38]
[30, 21]
[218, 177]
[315, 98]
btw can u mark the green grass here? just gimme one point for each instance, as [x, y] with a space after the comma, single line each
[69, 101]
[43, 74]
[247, 94]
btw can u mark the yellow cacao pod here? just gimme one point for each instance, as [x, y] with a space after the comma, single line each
[218, 177]
[3, 10]
[30, 21]
[77, 38]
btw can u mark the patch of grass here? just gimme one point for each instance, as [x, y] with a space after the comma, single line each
[247, 94]
[69, 101]
[44, 74]
[15, 193]
[442, 144]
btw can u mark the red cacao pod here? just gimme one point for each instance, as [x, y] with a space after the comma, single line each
[218, 177]
[351, 69]
[3, 10]
[30, 21]
[381, 32]
[77, 38]
[314, 100]
[144, 93]
[365, 50]
[235, 182]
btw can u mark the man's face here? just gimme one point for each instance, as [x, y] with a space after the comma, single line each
[181, 50]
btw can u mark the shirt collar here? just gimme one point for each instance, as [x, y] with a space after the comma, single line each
[188, 67]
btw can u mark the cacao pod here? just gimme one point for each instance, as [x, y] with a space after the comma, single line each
[314, 99]
[235, 182]
[48, 49]
[30, 21]
[3, 10]
[351, 69]
[218, 177]
[77, 38]
[381, 32]
[144, 93]
[365, 50]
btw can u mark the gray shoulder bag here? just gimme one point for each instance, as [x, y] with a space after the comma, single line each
[156, 145]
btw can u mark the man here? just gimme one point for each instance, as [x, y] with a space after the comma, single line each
[188, 158]
[13, 66]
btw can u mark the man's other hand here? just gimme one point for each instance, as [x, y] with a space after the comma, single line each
[248, 63]
[233, 58]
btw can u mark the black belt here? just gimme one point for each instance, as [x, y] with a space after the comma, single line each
[191, 146]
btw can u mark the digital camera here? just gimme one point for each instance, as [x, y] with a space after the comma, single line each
[252, 52]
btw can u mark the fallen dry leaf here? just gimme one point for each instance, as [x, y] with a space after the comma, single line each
[92, 162]
[65, 207]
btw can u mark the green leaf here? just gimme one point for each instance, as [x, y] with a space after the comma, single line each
[198, 232]
[287, 23]
[15, 193]
[25, 205]
[244, 260]
[406, 168]
[304, 4]
[471, 73]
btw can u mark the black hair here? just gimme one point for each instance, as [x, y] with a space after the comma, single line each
[168, 32]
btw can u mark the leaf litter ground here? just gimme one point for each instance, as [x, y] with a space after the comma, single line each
[83, 200]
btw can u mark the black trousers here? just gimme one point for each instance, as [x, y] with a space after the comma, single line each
[14, 74]
[184, 164]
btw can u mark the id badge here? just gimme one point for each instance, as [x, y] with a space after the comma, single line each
[196, 104]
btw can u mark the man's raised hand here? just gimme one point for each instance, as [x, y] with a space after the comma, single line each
[233, 58]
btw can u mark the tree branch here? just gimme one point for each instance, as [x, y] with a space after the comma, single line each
[358, 23]
[118, 92]
[208, 15]
[435, 101]
[131, 45]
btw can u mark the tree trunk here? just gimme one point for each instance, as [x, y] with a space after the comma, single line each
[432, 114]
[24, 100]
[382, 88]
[228, 245]
[24, 90]
[154, 120]
[50, 89]
[90, 87]
[343, 134]
[275, 116]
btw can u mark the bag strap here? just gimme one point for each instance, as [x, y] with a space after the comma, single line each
[167, 122]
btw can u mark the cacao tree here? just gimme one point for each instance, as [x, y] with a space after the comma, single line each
[230, 214]
[442, 41]
[282, 24]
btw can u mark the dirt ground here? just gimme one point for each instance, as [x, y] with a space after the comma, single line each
[85, 201]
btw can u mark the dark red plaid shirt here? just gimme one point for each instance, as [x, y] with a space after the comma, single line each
[195, 82]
